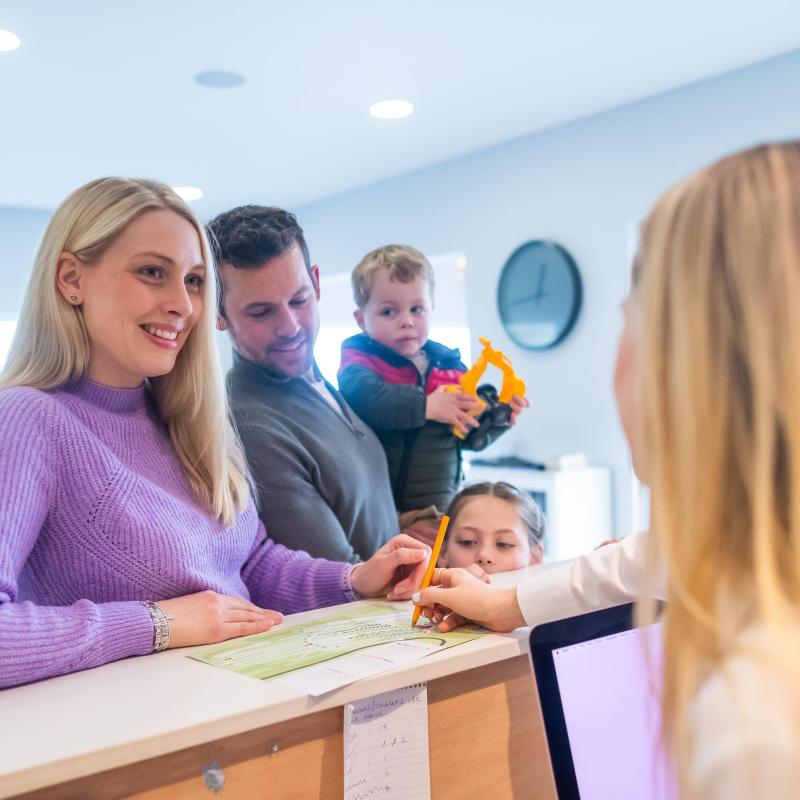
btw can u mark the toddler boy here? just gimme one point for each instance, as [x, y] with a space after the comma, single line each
[394, 378]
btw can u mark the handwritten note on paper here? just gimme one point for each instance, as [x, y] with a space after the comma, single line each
[386, 746]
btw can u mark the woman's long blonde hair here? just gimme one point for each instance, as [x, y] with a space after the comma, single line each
[51, 344]
[717, 294]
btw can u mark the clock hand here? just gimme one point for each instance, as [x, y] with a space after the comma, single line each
[539, 293]
[542, 274]
[531, 298]
[527, 299]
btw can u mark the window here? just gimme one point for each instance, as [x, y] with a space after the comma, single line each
[328, 348]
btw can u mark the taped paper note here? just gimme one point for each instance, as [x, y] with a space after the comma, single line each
[386, 746]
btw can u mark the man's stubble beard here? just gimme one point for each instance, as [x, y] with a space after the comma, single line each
[263, 360]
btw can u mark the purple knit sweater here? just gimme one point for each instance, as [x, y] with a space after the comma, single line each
[96, 514]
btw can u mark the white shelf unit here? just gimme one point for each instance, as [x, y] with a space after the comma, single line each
[576, 503]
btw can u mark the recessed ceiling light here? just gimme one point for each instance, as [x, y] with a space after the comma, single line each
[188, 193]
[8, 41]
[219, 79]
[391, 109]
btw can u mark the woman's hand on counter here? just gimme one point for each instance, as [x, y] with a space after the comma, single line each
[395, 570]
[208, 617]
[456, 597]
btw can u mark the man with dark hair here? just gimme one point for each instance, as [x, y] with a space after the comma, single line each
[320, 472]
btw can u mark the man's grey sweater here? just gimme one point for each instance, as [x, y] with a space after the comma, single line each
[320, 475]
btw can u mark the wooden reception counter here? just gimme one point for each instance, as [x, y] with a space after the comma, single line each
[166, 726]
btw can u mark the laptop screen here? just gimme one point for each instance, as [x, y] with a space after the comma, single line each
[598, 685]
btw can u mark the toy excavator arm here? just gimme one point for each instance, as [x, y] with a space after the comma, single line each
[512, 383]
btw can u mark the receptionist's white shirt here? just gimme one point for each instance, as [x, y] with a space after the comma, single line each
[612, 575]
[746, 728]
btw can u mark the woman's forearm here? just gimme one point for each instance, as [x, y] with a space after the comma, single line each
[44, 641]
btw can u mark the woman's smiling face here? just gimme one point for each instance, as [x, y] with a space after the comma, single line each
[140, 299]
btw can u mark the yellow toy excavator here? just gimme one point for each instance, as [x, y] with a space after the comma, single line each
[487, 396]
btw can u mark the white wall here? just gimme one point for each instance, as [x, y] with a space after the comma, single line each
[582, 184]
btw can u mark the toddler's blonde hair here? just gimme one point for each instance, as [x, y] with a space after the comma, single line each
[404, 263]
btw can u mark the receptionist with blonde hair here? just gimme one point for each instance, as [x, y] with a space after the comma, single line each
[126, 519]
[708, 389]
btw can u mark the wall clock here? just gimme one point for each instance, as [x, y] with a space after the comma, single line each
[539, 295]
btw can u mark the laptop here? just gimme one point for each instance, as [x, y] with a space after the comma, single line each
[597, 676]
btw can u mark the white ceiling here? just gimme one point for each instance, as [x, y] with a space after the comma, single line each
[105, 87]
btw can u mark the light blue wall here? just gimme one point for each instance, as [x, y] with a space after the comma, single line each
[585, 185]
[20, 232]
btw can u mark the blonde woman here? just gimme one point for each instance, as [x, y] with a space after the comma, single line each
[126, 523]
[708, 388]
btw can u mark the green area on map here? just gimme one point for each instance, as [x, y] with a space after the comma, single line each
[282, 650]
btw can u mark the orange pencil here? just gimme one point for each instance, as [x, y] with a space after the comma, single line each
[426, 581]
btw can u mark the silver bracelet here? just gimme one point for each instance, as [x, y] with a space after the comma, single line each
[161, 629]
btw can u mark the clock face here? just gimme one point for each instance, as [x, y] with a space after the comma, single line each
[539, 295]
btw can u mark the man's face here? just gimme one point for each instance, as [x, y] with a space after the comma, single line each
[271, 313]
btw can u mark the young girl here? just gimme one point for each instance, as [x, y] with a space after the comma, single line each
[496, 526]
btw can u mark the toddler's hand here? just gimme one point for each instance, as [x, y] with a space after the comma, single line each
[518, 405]
[452, 408]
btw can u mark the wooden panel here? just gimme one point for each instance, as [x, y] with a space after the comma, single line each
[486, 739]
[317, 738]
[486, 734]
